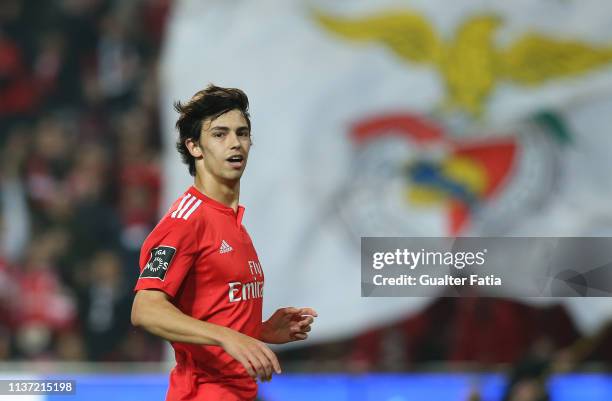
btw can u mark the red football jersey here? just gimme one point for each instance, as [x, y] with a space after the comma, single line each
[201, 255]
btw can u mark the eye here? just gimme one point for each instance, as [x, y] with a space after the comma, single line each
[244, 133]
[218, 134]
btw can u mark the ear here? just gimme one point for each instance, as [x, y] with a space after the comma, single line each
[193, 147]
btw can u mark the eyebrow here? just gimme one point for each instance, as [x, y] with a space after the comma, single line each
[222, 128]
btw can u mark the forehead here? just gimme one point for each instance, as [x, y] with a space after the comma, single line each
[231, 119]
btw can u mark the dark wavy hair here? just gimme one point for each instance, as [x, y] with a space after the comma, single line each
[208, 103]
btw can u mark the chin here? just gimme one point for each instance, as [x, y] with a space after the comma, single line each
[233, 176]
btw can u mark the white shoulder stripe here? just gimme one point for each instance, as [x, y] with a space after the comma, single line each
[180, 205]
[194, 207]
[184, 209]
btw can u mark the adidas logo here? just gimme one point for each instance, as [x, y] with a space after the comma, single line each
[225, 247]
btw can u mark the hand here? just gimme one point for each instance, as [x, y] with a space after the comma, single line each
[255, 356]
[287, 324]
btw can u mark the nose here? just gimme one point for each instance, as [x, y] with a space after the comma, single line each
[234, 141]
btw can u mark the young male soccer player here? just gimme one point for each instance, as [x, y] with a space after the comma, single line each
[201, 283]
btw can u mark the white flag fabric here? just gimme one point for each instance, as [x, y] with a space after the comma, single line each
[354, 102]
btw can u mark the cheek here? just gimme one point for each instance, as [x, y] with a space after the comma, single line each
[247, 145]
[212, 153]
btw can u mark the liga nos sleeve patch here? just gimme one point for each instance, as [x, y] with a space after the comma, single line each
[158, 263]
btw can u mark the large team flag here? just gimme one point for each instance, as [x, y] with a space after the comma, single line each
[402, 118]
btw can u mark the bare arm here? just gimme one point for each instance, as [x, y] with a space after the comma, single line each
[153, 311]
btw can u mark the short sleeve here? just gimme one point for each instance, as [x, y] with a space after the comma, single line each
[167, 255]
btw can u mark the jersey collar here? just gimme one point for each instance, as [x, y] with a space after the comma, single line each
[218, 205]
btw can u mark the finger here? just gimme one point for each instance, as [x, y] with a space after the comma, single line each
[291, 310]
[257, 365]
[247, 365]
[308, 311]
[272, 358]
[307, 321]
[266, 366]
[297, 325]
[300, 317]
[306, 329]
[300, 336]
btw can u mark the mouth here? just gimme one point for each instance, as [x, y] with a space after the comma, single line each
[236, 161]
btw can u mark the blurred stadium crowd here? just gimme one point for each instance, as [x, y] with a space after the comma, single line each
[80, 189]
[80, 175]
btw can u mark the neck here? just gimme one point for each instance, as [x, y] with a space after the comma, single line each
[224, 192]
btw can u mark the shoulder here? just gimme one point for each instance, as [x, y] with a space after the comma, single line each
[187, 207]
[186, 215]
